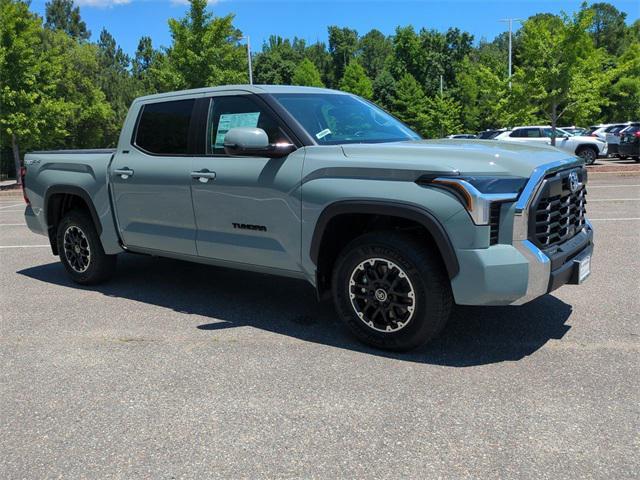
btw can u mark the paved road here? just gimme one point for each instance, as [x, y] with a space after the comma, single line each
[175, 370]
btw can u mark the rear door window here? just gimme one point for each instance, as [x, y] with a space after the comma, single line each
[163, 127]
[526, 133]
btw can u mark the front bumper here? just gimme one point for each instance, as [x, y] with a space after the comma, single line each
[516, 273]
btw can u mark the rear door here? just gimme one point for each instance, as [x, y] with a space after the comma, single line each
[247, 208]
[151, 180]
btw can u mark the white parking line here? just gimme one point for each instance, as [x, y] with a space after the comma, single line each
[591, 200]
[12, 224]
[610, 186]
[9, 206]
[23, 246]
[612, 219]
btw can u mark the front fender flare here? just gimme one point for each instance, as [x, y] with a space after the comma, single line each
[395, 209]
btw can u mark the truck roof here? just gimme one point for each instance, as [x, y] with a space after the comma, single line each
[245, 87]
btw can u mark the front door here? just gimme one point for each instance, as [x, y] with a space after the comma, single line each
[247, 208]
[152, 184]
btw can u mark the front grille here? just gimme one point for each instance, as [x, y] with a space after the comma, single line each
[494, 222]
[558, 214]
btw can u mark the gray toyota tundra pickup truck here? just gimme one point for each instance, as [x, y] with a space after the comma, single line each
[323, 186]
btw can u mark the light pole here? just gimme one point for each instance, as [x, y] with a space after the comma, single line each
[248, 57]
[510, 21]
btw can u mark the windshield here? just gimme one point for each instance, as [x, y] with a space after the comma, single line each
[333, 119]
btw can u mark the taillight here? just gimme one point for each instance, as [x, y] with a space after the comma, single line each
[23, 175]
[637, 134]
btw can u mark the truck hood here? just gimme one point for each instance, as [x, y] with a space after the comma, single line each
[468, 157]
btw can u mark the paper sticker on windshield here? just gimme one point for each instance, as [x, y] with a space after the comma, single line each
[323, 133]
[234, 120]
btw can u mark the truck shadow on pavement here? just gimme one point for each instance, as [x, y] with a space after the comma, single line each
[232, 298]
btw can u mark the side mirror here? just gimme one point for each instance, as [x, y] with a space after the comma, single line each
[565, 136]
[254, 142]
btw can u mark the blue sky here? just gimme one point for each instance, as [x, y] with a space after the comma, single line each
[128, 20]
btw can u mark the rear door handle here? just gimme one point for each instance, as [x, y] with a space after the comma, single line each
[124, 173]
[203, 175]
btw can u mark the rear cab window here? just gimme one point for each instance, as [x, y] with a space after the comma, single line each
[163, 127]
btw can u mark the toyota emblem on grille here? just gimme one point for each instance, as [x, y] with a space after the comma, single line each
[574, 182]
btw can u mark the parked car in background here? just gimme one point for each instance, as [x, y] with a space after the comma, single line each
[630, 142]
[613, 136]
[588, 148]
[576, 131]
[462, 135]
[599, 131]
[490, 133]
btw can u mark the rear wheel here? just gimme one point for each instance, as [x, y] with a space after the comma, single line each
[81, 251]
[391, 290]
[588, 154]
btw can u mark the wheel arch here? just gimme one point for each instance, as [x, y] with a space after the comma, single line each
[58, 200]
[386, 209]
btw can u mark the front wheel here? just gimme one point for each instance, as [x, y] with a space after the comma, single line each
[588, 154]
[81, 251]
[391, 290]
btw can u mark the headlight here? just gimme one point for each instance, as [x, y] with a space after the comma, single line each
[477, 193]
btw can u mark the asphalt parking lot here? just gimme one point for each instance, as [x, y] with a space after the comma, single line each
[175, 370]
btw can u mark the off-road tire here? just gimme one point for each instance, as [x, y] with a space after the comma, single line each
[89, 265]
[425, 273]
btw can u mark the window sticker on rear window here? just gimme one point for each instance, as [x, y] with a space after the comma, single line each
[323, 133]
[234, 120]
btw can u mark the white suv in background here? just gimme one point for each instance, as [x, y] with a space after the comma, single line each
[588, 148]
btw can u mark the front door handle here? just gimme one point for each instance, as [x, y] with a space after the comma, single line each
[203, 175]
[124, 173]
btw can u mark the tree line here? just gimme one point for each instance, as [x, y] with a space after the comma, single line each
[60, 90]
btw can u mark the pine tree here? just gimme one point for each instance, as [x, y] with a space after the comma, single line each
[62, 15]
[205, 49]
[307, 74]
[355, 81]
[409, 103]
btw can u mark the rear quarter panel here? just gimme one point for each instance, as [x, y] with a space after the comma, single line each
[51, 172]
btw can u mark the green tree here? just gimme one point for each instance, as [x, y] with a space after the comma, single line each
[321, 58]
[205, 50]
[374, 50]
[384, 90]
[355, 81]
[307, 74]
[561, 71]
[27, 111]
[442, 116]
[277, 62]
[115, 81]
[62, 15]
[608, 28]
[73, 70]
[429, 54]
[478, 88]
[343, 45]
[410, 103]
[624, 88]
